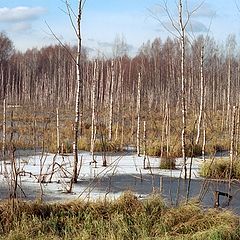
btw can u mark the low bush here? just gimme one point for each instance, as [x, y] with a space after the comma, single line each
[168, 163]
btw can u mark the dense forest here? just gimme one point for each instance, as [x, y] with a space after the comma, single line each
[46, 76]
[122, 92]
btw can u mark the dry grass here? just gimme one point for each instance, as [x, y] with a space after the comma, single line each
[33, 127]
[220, 168]
[125, 218]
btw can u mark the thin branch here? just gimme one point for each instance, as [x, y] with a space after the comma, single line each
[153, 15]
[173, 23]
[189, 14]
[237, 5]
[60, 42]
[83, 4]
[69, 13]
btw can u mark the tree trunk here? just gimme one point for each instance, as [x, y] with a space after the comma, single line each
[93, 127]
[201, 109]
[138, 112]
[58, 134]
[232, 148]
[4, 128]
[111, 102]
[78, 94]
[183, 82]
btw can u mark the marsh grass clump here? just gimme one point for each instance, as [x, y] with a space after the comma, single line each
[124, 218]
[220, 168]
[99, 146]
[168, 163]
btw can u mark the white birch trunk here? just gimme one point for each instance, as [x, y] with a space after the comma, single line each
[183, 81]
[4, 133]
[144, 144]
[122, 134]
[228, 92]
[111, 102]
[78, 94]
[201, 109]
[95, 73]
[232, 148]
[4, 127]
[138, 112]
[58, 133]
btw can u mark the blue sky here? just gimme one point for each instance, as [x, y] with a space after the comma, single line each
[104, 20]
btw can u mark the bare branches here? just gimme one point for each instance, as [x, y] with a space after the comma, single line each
[60, 42]
[157, 18]
[70, 12]
[238, 7]
[176, 26]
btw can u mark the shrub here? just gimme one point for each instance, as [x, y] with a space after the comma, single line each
[168, 163]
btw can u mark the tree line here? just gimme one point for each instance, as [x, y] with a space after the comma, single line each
[46, 78]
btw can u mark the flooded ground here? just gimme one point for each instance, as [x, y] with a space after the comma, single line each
[124, 172]
[172, 189]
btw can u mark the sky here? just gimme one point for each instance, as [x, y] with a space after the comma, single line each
[103, 21]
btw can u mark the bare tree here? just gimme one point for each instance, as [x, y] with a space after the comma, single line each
[78, 92]
[183, 81]
[179, 31]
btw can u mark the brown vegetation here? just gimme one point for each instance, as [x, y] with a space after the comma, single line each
[125, 218]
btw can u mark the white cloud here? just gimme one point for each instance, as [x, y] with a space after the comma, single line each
[20, 14]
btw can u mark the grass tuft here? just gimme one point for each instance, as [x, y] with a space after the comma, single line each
[124, 218]
[219, 169]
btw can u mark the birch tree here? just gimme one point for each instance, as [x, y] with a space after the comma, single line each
[202, 93]
[138, 112]
[178, 29]
[93, 127]
[112, 81]
[78, 91]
